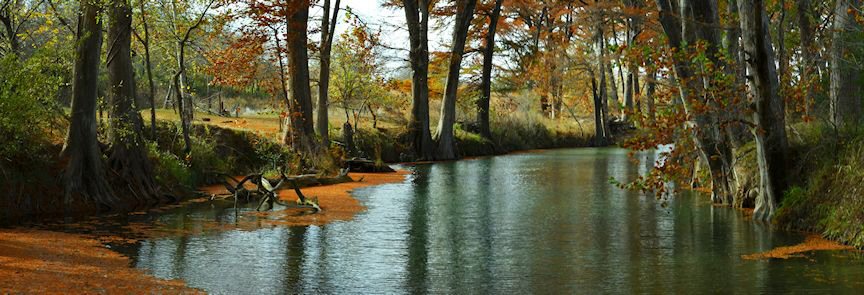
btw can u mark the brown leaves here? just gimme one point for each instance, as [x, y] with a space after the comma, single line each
[237, 64]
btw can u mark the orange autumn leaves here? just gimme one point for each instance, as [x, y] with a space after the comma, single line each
[237, 64]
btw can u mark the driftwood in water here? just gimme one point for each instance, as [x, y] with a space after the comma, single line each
[269, 193]
[365, 165]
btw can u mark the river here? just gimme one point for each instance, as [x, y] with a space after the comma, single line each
[540, 222]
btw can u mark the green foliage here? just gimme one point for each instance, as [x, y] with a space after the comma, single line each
[204, 158]
[827, 184]
[28, 111]
[169, 168]
[375, 145]
[273, 156]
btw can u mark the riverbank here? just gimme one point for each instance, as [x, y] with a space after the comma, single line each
[37, 261]
[41, 260]
[826, 179]
[31, 186]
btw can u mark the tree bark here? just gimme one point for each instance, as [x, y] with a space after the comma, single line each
[148, 66]
[603, 138]
[736, 131]
[7, 19]
[771, 143]
[287, 137]
[444, 134]
[128, 157]
[612, 86]
[631, 88]
[417, 19]
[599, 137]
[298, 74]
[808, 65]
[710, 142]
[328, 29]
[782, 60]
[486, 79]
[650, 89]
[85, 173]
[845, 91]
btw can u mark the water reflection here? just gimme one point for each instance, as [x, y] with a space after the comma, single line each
[530, 223]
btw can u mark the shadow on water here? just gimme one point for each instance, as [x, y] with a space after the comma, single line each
[538, 222]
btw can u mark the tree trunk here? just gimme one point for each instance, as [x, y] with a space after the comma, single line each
[444, 134]
[808, 65]
[348, 137]
[612, 90]
[737, 132]
[602, 69]
[782, 57]
[599, 138]
[650, 89]
[632, 91]
[148, 65]
[845, 92]
[128, 151]
[287, 136]
[328, 28]
[486, 79]
[7, 19]
[711, 144]
[769, 115]
[84, 174]
[417, 19]
[298, 74]
[185, 125]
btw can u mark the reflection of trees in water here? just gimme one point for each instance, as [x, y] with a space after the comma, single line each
[292, 266]
[509, 224]
[418, 233]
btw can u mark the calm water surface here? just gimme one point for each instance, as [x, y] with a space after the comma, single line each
[547, 222]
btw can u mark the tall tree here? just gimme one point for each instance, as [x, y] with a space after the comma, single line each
[302, 132]
[486, 79]
[128, 155]
[184, 103]
[328, 29]
[148, 65]
[769, 115]
[417, 19]
[598, 84]
[808, 64]
[710, 141]
[845, 91]
[634, 24]
[85, 173]
[444, 134]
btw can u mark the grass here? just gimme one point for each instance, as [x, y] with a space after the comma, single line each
[386, 142]
[827, 183]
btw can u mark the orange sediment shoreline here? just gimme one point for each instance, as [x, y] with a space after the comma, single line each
[335, 200]
[813, 242]
[43, 261]
[36, 261]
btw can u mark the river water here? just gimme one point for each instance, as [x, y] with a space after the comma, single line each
[544, 222]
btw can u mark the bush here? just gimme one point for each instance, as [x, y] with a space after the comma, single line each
[827, 184]
[28, 110]
[169, 168]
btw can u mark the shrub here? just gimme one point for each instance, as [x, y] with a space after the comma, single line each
[28, 110]
[169, 168]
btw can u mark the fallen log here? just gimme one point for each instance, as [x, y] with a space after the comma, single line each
[366, 165]
[269, 193]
